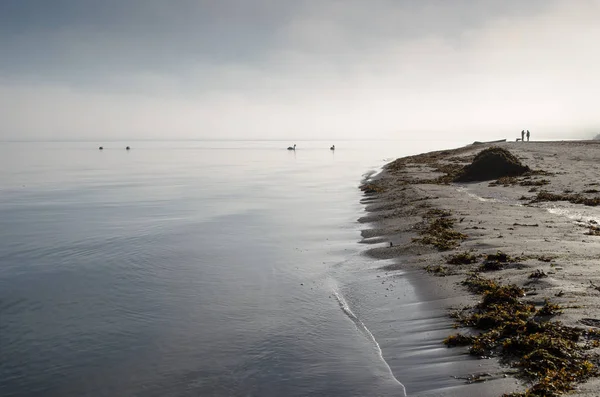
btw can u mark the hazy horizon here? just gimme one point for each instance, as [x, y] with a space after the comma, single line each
[235, 70]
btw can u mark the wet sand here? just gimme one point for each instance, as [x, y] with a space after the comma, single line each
[554, 237]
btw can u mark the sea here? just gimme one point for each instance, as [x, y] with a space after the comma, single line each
[206, 268]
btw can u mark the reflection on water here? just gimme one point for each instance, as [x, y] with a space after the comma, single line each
[186, 268]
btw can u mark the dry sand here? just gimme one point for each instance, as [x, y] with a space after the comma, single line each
[550, 236]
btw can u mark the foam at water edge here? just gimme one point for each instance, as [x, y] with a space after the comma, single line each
[365, 331]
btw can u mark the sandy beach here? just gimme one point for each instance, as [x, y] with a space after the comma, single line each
[538, 232]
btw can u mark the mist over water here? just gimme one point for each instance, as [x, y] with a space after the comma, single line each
[191, 268]
[350, 70]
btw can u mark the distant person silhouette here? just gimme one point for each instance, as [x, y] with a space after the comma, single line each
[527, 135]
[523, 135]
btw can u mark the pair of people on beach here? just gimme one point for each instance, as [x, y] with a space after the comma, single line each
[523, 135]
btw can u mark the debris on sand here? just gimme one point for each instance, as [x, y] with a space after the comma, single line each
[573, 198]
[492, 163]
[551, 356]
[462, 258]
[440, 233]
[372, 188]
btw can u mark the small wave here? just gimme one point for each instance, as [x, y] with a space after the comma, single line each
[365, 331]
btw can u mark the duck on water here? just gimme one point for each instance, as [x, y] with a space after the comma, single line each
[292, 147]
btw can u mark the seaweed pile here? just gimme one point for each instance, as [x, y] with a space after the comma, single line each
[492, 163]
[551, 356]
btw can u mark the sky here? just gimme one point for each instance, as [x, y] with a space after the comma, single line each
[289, 70]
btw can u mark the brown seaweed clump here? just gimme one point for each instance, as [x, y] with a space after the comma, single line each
[497, 261]
[492, 163]
[372, 188]
[574, 198]
[441, 234]
[593, 230]
[437, 270]
[462, 258]
[552, 357]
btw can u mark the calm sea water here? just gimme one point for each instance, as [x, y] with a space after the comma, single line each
[198, 269]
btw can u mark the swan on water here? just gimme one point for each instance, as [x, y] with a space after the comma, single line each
[332, 147]
[292, 148]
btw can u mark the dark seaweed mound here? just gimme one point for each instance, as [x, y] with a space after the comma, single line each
[492, 163]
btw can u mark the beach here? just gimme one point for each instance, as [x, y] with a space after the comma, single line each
[538, 231]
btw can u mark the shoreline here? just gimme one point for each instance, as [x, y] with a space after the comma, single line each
[545, 234]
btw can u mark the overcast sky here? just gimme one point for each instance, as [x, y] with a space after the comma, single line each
[183, 69]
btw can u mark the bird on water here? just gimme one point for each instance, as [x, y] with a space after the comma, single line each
[292, 147]
[127, 148]
[100, 148]
[332, 147]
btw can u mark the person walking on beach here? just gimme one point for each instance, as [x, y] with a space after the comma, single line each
[527, 135]
[523, 136]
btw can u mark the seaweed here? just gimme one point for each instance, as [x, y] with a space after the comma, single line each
[500, 256]
[497, 261]
[537, 274]
[438, 270]
[461, 258]
[433, 160]
[593, 230]
[438, 162]
[441, 234]
[505, 181]
[547, 354]
[436, 212]
[549, 309]
[492, 163]
[544, 195]
[489, 266]
[541, 172]
[479, 285]
[546, 258]
[513, 180]
[538, 182]
[371, 188]
[458, 340]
